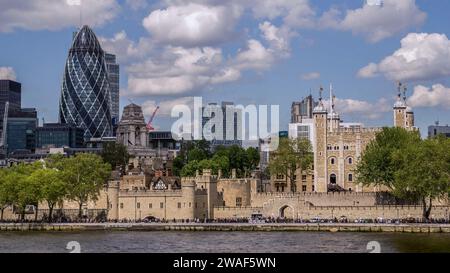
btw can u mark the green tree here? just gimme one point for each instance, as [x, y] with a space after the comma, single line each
[26, 191]
[411, 168]
[377, 166]
[190, 169]
[220, 162]
[424, 172]
[252, 159]
[177, 165]
[291, 155]
[115, 154]
[52, 187]
[7, 191]
[85, 175]
[196, 154]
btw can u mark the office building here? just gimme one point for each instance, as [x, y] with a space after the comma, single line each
[85, 93]
[230, 131]
[57, 135]
[437, 129]
[114, 81]
[21, 130]
[302, 109]
[10, 91]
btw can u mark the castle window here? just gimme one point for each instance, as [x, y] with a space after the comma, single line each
[304, 178]
[121, 205]
[350, 160]
[179, 205]
[304, 188]
[313, 188]
[333, 179]
[332, 161]
[238, 201]
[150, 205]
[350, 177]
[190, 204]
[161, 205]
[138, 205]
[280, 176]
[196, 205]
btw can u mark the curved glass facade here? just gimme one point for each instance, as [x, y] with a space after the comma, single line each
[85, 93]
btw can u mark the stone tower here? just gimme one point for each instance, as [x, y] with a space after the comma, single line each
[132, 130]
[320, 116]
[403, 114]
[208, 182]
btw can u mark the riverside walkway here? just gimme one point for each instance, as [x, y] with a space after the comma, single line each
[228, 227]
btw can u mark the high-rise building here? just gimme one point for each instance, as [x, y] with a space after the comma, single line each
[437, 130]
[10, 91]
[114, 81]
[85, 93]
[21, 130]
[302, 109]
[231, 130]
[57, 135]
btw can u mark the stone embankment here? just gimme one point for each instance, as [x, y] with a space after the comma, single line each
[323, 227]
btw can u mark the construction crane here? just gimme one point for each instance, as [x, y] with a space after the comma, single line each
[149, 124]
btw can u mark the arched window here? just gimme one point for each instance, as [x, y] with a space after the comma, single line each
[350, 160]
[332, 161]
[350, 177]
[332, 178]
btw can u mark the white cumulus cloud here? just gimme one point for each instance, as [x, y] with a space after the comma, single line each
[422, 56]
[7, 73]
[54, 14]
[437, 95]
[192, 24]
[376, 22]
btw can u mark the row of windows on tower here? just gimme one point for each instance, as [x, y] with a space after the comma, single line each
[161, 205]
[336, 148]
[349, 160]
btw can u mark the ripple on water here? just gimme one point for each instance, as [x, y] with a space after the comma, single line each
[223, 242]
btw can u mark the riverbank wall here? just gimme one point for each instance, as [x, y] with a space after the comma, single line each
[297, 227]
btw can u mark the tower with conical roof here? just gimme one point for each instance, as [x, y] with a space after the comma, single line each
[85, 94]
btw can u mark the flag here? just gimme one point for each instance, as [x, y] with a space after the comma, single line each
[73, 2]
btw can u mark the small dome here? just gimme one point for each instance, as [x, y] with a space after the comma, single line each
[320, 108]
[399, 104]
[334, 115]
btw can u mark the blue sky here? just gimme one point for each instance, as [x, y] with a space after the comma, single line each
[248, 51]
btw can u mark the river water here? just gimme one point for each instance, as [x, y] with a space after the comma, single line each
[222, 242]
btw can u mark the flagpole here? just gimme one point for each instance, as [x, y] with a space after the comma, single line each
[81, 14]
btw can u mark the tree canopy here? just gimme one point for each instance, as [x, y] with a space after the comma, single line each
[291, 154]
[411, 168]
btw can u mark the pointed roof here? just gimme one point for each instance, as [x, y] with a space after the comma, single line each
[86, 39]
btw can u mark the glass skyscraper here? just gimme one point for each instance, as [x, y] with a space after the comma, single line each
[10, 91]
[85, 93]
[113, 76]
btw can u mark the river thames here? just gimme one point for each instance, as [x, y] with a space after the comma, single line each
[222, 242]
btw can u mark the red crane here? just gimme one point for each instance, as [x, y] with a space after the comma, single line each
[149, 124]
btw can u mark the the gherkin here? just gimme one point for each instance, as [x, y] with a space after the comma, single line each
[85, 94]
